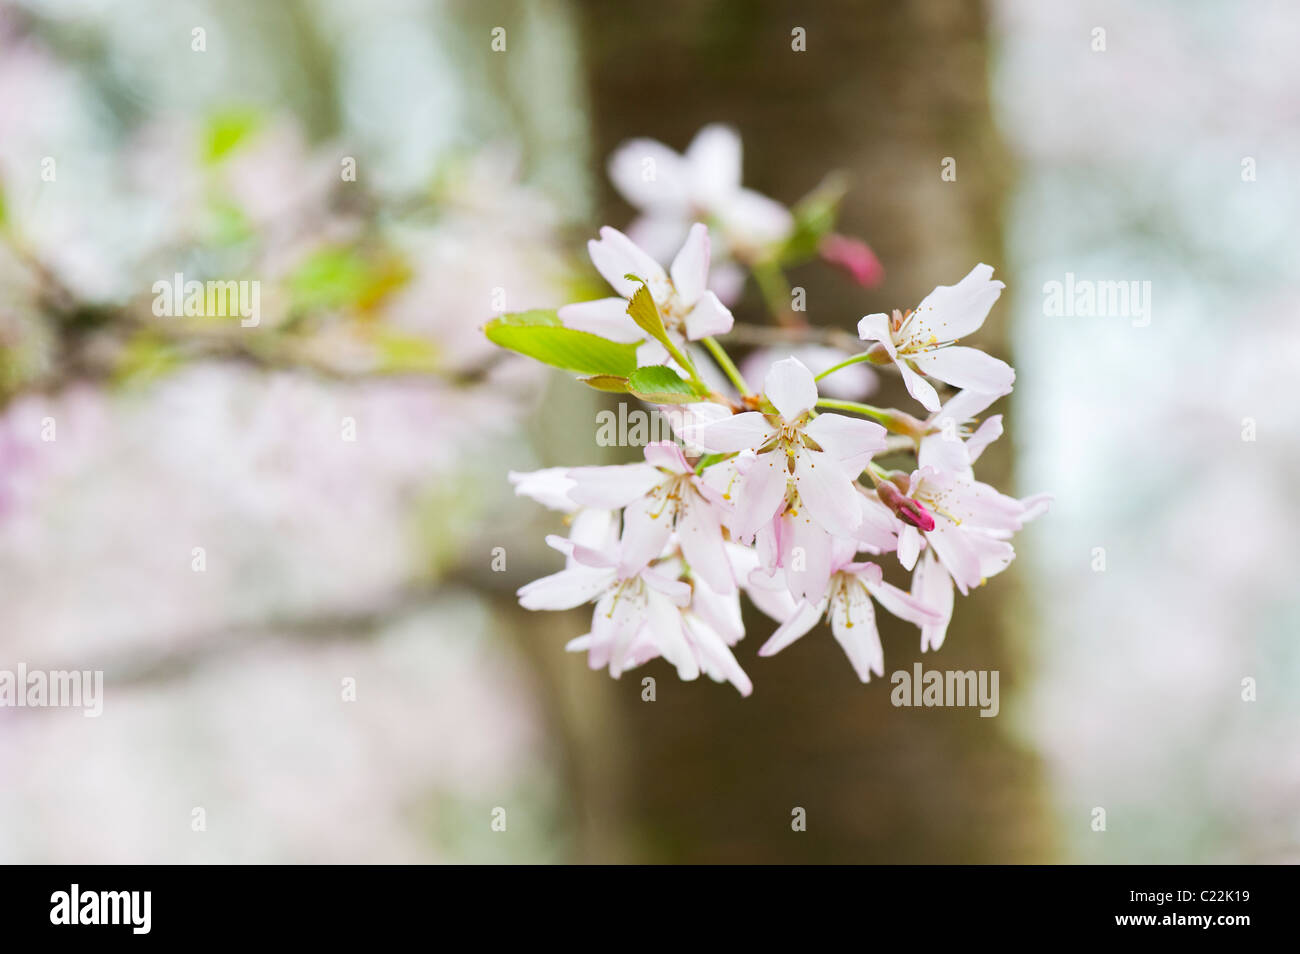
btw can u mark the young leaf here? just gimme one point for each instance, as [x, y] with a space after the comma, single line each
[641, 306]
[814, 217]
[539, 335]
[659, 384]
[606, 382]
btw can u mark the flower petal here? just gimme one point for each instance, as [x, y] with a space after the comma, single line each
[700, 534]
[827, 494]
[850, 441]
[726, 435]
[932, 586]
[614, 486]
[565, 589]
[853, 621]
[606, 317]
[966, 368]
[650, 175]
[709, 317]
[690, 269]
[954, 311]
[805, 617]
[646, 528]
[615, 256]
[762, 490]
[790, 388]
[714, 160]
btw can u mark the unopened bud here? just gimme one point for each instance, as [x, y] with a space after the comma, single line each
[854, 257]
[908, 510]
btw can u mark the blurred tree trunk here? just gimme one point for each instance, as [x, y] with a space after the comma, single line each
[884, 91]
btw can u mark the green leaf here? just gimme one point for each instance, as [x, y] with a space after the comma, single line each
[641, 306]
[3, 210]
[539, 335]
[660, 384]
[814, 217]
[606, 382]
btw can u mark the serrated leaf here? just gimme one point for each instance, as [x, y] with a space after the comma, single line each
[606, 382]
[540, 336]
[659, 384]
[643, 310]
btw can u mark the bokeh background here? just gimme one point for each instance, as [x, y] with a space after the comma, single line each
[1166, 153]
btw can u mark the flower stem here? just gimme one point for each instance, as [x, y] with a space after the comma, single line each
[775, 290]
[856, 359]
[727, 365]
[854, 407]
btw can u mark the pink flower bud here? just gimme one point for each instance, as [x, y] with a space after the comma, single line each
[854, 257]
[907, 509]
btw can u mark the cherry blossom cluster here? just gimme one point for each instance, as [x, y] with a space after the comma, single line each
[799, 500]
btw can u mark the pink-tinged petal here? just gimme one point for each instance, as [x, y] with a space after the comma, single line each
[984, 506]
[646, 528]
[964, 367]
[753, 220]
[713, 159]
[827, 494]
[709, 317]
[805, 617]
[852, 442]
[660, 232]
[994, 555]
[770, 595]
[700, 535]
[878, 532]
[720, 610]
[761, 493]
[790, 388]
[615, 256]
[623, 623]
[853, 621]
[566, 589]
[1035, 506]
[984, 435]
[919, 387]
[964, 406]
[932, 586]
[665, 623]
[690, 269]
[549, 487]
[594, 530]
[678, 592]
[737, 432]
[727, 281]
[954, 311]
[876, 328]
[952, 546]
[606, 317]
[944, 453]
[580, 644]
[909, 546]
[715, 657]
[668, 456]
[612, 487]
[650, 175]
[805, 556]
[901, 603]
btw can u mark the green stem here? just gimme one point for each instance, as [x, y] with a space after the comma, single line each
[853, 407]
[774, 289]
[856, 359]
[726, 364]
